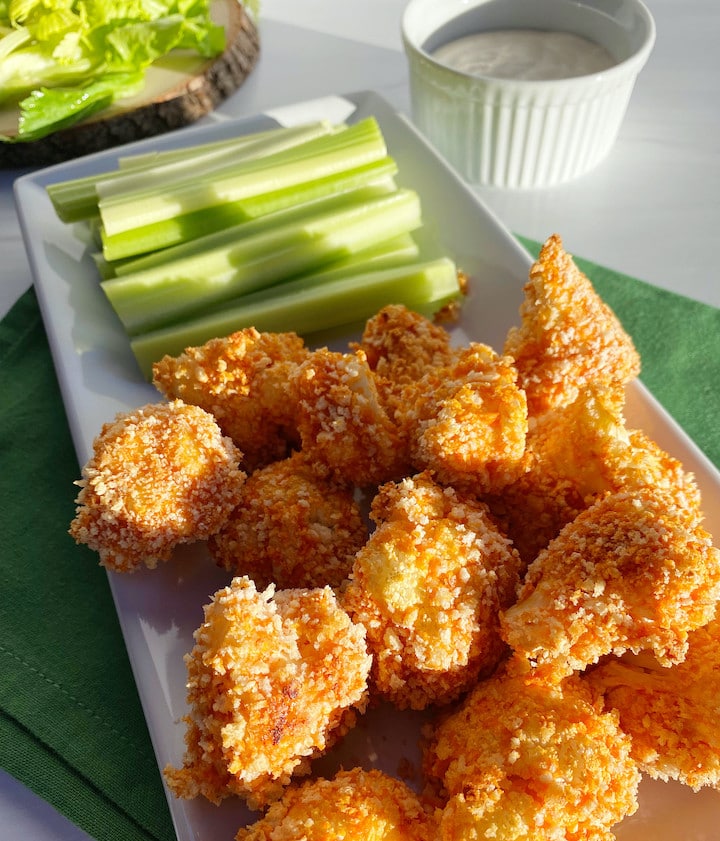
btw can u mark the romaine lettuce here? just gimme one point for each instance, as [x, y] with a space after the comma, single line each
[61, 60]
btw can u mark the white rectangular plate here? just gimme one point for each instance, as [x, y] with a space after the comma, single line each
[159, 610]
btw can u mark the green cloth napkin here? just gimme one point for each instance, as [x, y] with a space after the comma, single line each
[71, 726]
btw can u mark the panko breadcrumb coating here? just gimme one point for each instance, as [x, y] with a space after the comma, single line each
[671, 714]
[467, 421]
[530, 762]
[242, 380]
[344, 427]
[402, 346]
[428, 586]
[630, 573]
[588, 441]
[576, 454]
[274, 680]
[159, 476]
[355, 805]
[292, 527]
[569, 338]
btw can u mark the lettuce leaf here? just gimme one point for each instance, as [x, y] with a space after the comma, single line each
[62, 60]
[51, 109]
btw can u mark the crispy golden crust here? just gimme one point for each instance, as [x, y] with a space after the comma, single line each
[273, 680]
[670, 713]
[355, 805]
[569, 338]
[292, 527]
[588, 442]
[629, 573]
[428, 586]
[159, 476]
[527, 761]
[534, 509]
[467, 421]
[529, 446]
[242, 381]
[576, 454]
[401, 345]
[344, 427]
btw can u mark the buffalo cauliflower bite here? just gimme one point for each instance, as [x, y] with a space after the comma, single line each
[241, 380]
[467, 421]
[576, 454]
[428, 586]
[530, 762]
[568, 337]
[588, 442]
[292, 527]
[630, 573]
[344, 427]
[274, 679]
[401, 346]
[671, 714]
[355, 805]
[159, 476]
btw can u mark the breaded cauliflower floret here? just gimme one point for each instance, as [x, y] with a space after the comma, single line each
[530, 762]
[671, 714]
[241, 380]
[576, 454]
[159, 476]
[428, 586]
[588, 441]
[569, 338]
[401, 346]
[292, 527]
[355, 805]
[630, 573]
[274, 679]
[467, 422]
[344, 427]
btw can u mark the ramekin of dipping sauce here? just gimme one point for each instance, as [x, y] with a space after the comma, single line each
[524, 93]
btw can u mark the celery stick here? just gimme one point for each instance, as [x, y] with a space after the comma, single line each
[105, 270]
[164, 294]
[191, 226]
[308, 308]
[240, 142]
[234, 233]
[393, 252]
[165, 175]
[77, 198]
[318, 158]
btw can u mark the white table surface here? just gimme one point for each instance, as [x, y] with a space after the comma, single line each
[650, 210]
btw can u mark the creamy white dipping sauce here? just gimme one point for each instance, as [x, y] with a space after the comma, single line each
[524, 54]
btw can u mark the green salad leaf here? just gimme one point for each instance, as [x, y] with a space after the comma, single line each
[62, 60]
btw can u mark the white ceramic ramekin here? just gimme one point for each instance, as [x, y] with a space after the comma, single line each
[521, 134]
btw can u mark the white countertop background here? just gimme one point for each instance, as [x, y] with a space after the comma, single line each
[650, 210]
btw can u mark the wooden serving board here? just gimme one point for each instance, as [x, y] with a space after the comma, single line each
[180, 89]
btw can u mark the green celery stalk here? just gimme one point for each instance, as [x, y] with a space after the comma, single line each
[306, 307]
[230, 234]
[165, 294]
[77, 199]
[388, 252]
[318, 158]
[158, 157]
[140, 243]
[165, 175]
